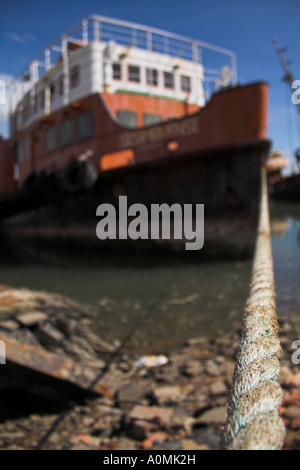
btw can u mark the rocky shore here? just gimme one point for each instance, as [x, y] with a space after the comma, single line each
[178, 405]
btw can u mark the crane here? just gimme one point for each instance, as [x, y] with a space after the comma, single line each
[288, 77]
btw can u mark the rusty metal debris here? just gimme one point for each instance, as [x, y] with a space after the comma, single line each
[48, 364]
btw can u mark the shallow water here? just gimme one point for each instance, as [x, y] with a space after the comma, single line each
[285, 224]
[156, 308]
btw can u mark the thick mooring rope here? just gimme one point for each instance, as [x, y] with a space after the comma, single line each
[253, 422]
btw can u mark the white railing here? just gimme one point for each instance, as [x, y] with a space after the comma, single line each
[101, 28]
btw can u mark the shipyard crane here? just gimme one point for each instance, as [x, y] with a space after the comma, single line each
[288, 77]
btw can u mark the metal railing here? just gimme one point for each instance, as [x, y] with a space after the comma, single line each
[101, 28]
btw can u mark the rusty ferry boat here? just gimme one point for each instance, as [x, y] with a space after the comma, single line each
[115, 108]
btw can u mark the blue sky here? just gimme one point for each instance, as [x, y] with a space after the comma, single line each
[244, 26]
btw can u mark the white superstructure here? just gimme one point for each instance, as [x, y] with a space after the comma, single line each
[107, 55]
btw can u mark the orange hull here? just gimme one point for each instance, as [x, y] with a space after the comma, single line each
[233, 117]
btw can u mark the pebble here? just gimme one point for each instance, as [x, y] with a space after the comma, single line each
[216, 415]
[167, 395]
[29, 319]
[214, 368]
[160, 415]
[292, 412]
[218, 388]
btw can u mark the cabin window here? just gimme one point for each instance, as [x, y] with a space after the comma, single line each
[117, 75]
[127, 119]
[152, 77]
[150, 119]
[134, 73]
[185, 83]
[85, 125]
[42, 99]
[52, 91]
[51, 139]
[60, 85]
[66, 133]
[169, 80]
[23, 150]
[74, 76]
[25, 114]
[35, 106]
[20, 151]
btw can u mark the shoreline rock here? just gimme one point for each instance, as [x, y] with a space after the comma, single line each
[180, 405]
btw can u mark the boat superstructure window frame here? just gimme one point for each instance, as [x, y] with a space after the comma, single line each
[41, 98]
[60, 82]
[127, 118]
[185, 83]
[150, 119]
[51, 139]
[116, 71]
[66, 132]
[52, 91]
[134, 73]
[169, 80]
[74, 76]
[85, 125]
[152, 77]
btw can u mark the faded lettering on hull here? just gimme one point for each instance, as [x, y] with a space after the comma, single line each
[156, 134]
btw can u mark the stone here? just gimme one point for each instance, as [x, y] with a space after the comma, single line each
[192, 368]
[183, 422]
[167, 395]
[152, 413]
[24, 335]
[9, 325]
[126, 444]
[80, 446]
[189, 444]
[132, 394]
[27, 306]
[66, 326]
[139, 429]
[293, 380]
[207, 435]
[214, 368]
[49, 335]
[216, 415]
[291, 412]
[153, 439]
[29, 319]
[285, 372]
[295, 424]
[109, 421]
[86, 439]
[218, 388]
[287, 327]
